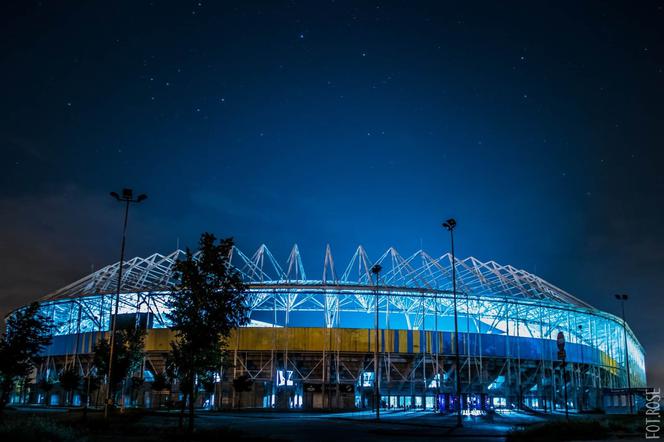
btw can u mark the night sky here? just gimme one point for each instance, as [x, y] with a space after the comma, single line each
[538, 126]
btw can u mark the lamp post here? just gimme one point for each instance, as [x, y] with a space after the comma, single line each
[437, 376]
[375, 270]
[622, 298]
[450, 224]
[581, 377]
[127, 198]
[562, 355]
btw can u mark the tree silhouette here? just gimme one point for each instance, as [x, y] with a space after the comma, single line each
[45, 384]
[241, 384]
[127, 355]
[159, 384]
[91, 383]
[206, 306]
[27, 332]
[70, 381]
[135, 386]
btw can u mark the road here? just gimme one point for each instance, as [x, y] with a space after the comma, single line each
[354, 427]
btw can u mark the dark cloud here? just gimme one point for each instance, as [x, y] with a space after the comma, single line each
[52, 240]
[379, 123]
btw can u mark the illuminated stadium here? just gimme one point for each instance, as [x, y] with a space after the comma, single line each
[311, 341]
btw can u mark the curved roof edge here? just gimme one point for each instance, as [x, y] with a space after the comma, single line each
[419, 270]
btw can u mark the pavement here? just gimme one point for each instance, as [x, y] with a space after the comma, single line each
[359, 426]
[275, 425]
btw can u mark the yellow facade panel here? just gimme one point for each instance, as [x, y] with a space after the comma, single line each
[416, 341]
[314, 339]
[403, 341]
[159, 339]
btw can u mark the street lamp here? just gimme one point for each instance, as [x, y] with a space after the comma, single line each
[450, 224]
[375, 270]
[622, 298]
[581, 376]
[127, 198]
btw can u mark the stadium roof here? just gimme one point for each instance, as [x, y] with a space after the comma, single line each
[419, 270]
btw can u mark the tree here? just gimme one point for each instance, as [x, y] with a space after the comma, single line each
[27, 332]
[208, 382]
[91, 382]
[135, 386]
[159, 384]
[45, 384]
[242, 384]
[127, 355]
[206, 306]
[70, 381]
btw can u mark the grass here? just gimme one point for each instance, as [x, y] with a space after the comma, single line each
[133, 426]
[38, 429]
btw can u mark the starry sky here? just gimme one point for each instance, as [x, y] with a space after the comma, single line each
[538, 125]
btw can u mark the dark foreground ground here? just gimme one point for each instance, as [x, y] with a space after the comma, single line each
[261, 426]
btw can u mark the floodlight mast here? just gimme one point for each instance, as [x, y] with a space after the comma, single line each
[581, 380]
[622, 298]
[450, 224]
[127, 198]
[375, 270]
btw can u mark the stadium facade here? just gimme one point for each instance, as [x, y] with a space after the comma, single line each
[311, 342]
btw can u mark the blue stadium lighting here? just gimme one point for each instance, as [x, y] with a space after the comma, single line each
[508, 322]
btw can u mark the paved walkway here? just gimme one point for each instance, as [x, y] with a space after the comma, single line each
[361, 426]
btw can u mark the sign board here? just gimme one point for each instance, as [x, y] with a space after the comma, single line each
[313, 388]
[318, 388]
[346, 388]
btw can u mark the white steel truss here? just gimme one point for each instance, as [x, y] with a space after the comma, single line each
[415, 293]
[419, 270]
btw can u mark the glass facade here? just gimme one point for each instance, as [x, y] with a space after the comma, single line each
[484, 322]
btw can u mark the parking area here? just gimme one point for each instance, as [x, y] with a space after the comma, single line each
[358, 426]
